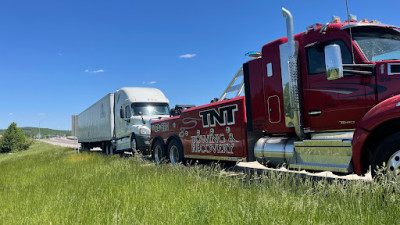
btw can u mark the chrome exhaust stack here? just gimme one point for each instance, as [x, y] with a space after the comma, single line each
[289, 25]
[290, 77]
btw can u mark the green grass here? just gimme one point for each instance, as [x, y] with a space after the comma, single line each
[51, 185]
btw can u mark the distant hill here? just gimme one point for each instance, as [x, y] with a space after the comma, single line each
[44, 132]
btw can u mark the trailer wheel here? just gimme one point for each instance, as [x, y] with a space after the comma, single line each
[388, 153]
[175, 152]
[85, 147]
[159, 154]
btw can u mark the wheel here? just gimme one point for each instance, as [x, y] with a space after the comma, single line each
[388, 153]
[85, 147]
[110, 148]
[104, 148]
[159, 152]
[133, 145]
[175, 152]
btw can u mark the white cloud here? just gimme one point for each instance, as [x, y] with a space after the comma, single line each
[149, 83]
[94, 71]
[11, 114]
[187, 56]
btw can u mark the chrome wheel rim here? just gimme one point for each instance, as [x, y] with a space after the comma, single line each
[393, 167]
[157, 153]
[174, 155]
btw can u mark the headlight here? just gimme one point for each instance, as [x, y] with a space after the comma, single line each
[144, 130]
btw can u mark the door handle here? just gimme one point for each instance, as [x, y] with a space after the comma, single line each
[314, 112]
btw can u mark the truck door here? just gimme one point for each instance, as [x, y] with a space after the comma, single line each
[332, 104]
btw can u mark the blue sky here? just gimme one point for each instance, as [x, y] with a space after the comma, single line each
[58, 57]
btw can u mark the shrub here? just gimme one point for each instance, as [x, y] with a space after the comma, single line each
[13, 139]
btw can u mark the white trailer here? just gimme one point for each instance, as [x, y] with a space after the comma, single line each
[121, 121]
[96, 123]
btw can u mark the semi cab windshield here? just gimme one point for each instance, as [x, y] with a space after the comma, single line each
[378, 44]
[150, 108]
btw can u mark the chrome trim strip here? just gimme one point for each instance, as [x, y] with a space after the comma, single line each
[331, 91]
[315, 113]
[338, 135]
[320, 167]
[213, 157]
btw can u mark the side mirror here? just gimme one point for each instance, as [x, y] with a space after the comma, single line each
[121, 113]
[333, 62]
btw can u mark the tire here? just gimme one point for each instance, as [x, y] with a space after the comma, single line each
[159, 154]
[110, 148]
[175, 152]
[133, 145]
[85, 147]
[104, 148]
[388, 153]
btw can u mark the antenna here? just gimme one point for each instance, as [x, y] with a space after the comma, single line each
[351, 35]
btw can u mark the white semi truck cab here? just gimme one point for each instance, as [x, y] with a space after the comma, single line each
[134, 110]
[121, 121]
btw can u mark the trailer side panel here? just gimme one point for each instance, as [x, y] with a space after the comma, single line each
[96, 123]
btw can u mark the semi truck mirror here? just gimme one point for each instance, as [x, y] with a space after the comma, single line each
[333, 62]
[121, 112]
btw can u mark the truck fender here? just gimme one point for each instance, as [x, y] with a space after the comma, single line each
[377, 124]
[153, 140]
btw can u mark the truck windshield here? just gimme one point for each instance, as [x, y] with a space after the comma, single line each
[150, 108]
[378, 44]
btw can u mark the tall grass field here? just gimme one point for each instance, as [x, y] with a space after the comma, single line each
[51, 185]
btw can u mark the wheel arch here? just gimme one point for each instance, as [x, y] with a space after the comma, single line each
[378, 123]
[133, 135]
[376, 136]
[174, 137]
[156, 138]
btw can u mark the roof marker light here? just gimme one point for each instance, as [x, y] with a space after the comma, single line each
[375, 21]
[253, 54]
[335, 19]
[364, 21]
[352, 18]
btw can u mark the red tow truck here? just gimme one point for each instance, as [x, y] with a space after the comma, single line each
[327, 99]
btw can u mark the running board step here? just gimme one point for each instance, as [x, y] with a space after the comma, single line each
[323, 155]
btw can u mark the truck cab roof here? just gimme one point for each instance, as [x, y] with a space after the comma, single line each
[141, 94]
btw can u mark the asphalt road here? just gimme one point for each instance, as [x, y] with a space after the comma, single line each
[64, 142]
[244, 166]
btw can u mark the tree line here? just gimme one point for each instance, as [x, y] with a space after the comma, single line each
[33, 132]
[14, 140]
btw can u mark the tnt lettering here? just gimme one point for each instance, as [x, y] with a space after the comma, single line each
[224, 116]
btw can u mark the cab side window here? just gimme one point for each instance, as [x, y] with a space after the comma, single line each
[316, 56]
